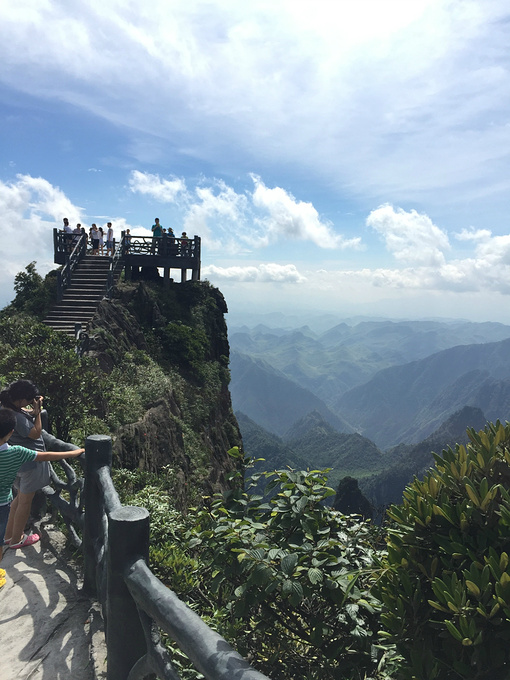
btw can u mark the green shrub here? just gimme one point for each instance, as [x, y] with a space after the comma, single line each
[294, 577]
[34, 295]
[183, 345]
[446, 588]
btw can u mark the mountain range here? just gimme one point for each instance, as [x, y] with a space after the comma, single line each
[389, 381]
[383, 476]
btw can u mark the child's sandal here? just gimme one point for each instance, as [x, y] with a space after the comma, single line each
[25, 541]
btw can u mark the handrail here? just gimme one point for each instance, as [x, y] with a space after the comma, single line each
[63, 241]
[135, 603]
[72, 509]
[208, 651]
[115, 261]
[165, 246]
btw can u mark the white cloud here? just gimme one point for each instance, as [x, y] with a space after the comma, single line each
[233, 222]
[473, 235]
[394, 98]
[289, 218]
[218, 209]
[411, 237]
[163, 190]
[262, 273]
[30, 207]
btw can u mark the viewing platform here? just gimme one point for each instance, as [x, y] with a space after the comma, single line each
[86, 278]
[165, 253]
[137, 254]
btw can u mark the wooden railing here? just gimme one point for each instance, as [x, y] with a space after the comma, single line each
[165, 246]
[73, 248]
[135, 603]
[115, 266]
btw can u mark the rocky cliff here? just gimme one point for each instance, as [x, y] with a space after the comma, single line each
[169, 344]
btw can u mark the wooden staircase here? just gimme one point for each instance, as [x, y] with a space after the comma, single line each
[79, 303]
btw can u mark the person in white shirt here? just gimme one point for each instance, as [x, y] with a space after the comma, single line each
[109, 239]
[94, 236]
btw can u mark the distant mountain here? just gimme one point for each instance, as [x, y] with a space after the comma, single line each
[406, 403]
[351, 353]
[388, 486]
[259, 443]
[315, 441]
[320, 321]
[270, 399]
[312, 444]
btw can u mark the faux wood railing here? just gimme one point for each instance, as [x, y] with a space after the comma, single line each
[136, 604]
[72, 247]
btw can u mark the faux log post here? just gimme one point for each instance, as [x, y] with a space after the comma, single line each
[128, 540]
[98, 453]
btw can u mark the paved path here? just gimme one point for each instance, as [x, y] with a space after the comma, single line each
[46, 624]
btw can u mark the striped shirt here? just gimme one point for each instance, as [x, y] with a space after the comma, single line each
[11, 459]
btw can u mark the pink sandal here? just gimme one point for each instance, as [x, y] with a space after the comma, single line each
[25, 541]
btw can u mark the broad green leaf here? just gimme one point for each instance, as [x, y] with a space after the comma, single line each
[288, 563]
[315, 575]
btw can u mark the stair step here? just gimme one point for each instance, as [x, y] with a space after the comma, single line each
[85, 297]
[56, 313]
[80, 299]
[63, 324]
[71, 314]
[63, 328]
[65, 321]
[82, 303]
[70, 330]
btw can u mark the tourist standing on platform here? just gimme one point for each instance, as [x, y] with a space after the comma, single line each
[94, 236]
[157, 233]
[68, 234]
[76, 234]
[109, 239]
[184, 244]
[101, 240]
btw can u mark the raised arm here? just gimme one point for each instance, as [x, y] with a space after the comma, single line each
[58, 455]
[36, 430]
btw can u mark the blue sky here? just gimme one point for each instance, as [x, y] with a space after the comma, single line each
[333, 155]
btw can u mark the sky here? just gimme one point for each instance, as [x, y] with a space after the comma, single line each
[341, 156]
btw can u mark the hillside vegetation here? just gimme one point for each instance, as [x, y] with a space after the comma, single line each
[156, 376]
[301, 589]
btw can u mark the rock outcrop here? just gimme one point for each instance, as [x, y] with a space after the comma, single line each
[189, 426]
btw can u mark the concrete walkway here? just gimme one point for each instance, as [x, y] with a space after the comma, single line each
[48, 629]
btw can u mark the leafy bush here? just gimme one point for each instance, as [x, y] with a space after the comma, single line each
[34, 295]
[446, 589]
[294, 577]
[183, 345]
[132, 387]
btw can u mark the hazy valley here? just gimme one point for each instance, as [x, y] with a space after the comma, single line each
[367, 398]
